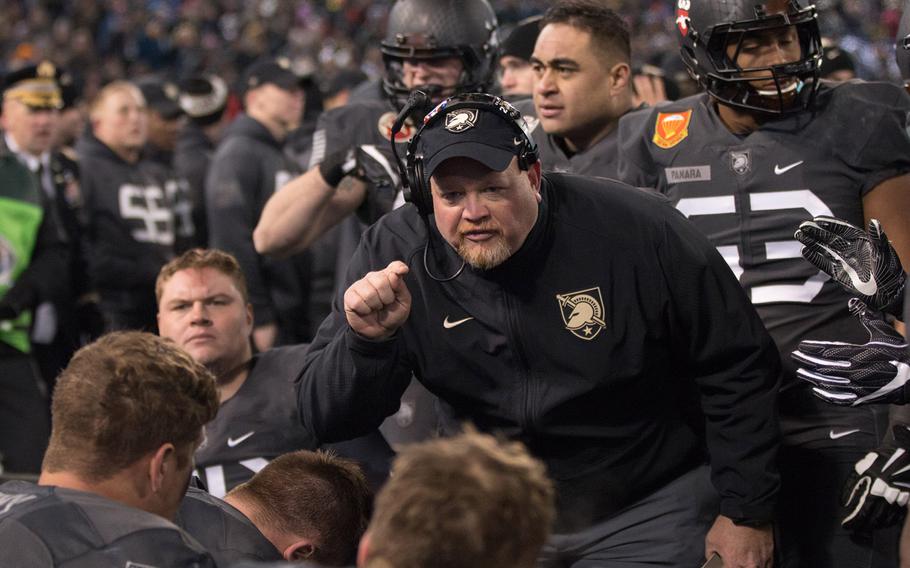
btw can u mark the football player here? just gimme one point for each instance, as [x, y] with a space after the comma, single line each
[303, 506]
[437, 46]
[128, 413]
[204, 307]
[583, 86]
[767, 144]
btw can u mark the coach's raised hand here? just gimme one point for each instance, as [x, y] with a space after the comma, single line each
[379, 303]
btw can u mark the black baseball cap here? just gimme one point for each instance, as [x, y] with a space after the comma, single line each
[522, 39]
[161, 96]
[485, 133]
[274, 70]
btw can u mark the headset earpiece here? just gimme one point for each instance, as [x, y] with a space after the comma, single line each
[420, 194]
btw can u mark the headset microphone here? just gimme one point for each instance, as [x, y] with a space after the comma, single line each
[417, 99]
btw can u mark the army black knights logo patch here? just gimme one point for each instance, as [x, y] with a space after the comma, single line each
[741, 162]
[461, 119]
[582, 312]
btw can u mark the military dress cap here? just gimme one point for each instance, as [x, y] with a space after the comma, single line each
[274, 70]
[161, 96]
[34, 86]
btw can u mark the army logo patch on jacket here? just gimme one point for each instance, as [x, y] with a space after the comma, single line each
[582, 312]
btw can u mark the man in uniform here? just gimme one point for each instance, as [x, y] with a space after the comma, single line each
[518, 300]
[30, 120]
[204, 307]
[767, 146]
[249, 166]
[33, 257]
[128, 414]
[303, 506]
[584, 85]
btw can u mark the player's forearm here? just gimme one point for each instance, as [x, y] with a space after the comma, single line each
[346, 199]
[291, 214]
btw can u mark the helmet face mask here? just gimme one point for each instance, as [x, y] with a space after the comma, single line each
[435, 30]
[712, 45]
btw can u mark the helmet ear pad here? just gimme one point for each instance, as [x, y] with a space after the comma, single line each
[418, 189]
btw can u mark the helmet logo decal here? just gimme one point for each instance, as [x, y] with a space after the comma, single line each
[741, 161]
[461, 120]
[682, 16]
[385, 128]
[671, 128]
[582, 312]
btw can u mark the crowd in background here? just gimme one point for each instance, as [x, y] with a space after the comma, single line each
[115, 39]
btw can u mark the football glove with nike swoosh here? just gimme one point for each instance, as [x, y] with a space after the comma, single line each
[877, 492]
[863, 262]
[852, 375]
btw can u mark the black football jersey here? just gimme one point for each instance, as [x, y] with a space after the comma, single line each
[260, 422]
[45, 527]
[598, 160]
[225, 532]
[750, 193]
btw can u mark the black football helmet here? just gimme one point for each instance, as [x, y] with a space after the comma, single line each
[902, 49]
[433, 29]
[708, 27]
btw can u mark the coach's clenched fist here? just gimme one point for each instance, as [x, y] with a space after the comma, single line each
[377, 304]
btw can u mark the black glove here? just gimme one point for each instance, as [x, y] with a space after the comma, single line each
[363, 162]
[376, 167]
[863, 263]
[851, 375]
[876, 494]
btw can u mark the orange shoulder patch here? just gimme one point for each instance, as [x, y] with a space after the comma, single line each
[671, 128]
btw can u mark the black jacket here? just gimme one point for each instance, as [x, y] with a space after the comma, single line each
[129, 230]
[248, 167]
[615, 343]
[192, 158]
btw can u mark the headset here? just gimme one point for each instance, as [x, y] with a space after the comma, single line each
[416, 185]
